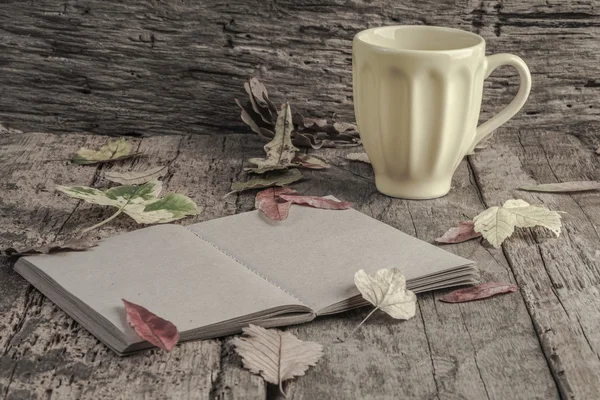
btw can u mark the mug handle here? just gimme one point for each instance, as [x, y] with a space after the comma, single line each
[494, 61]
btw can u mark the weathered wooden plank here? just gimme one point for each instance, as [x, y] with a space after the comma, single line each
[145, 67]
[468, 351]
[558, 277]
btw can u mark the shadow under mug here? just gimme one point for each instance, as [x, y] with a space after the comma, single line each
[417, 95]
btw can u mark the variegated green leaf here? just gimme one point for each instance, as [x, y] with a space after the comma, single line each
[112, 151]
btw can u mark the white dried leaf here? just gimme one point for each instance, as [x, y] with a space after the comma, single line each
[498, 223]
[276, 355]
[362, 157]
[564, 187]
[386, 290]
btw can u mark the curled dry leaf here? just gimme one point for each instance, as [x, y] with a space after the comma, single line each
[280, 151]
[386, 290]
[260, 114]
[75, 244]
[362, 157]
[478, 292]
[136, 177]
[160, 332]
[279, 178]
[461, 233]
[316, 202]
[498, 223]
[564, 187]
[309, 162]
[275, 355]
[139, 202]
[112, 151]
[269, 203]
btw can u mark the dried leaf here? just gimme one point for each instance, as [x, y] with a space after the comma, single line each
[564, 187]
[277, 356]
[280, 151]
[461, 233]
[478, 292]
[498, 223]
[136, 177]
[309, 162]
[362, 157]
[273, 179]
[316, 202]
[112, 151]
[150, 327]
[269, 203]
[139, 202]
[81, 243]
[386, 290]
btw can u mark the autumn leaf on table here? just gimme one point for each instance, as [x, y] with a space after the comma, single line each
[276, 178]
[160, 332]
[142, 202]
[309, 162]
[461, 233]
[280, 151]
[498, 223]
[112, 151]
[316, 202]
[136, 177]
[479, 292]
[386, 290]
[269, 203]
[362, 157]
[81, 243]
[564, 187]
[275, 355]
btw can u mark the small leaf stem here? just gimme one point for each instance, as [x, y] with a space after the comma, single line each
[99, 224]
[359, 325]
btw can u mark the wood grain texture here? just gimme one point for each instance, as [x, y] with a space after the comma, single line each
[146, 67]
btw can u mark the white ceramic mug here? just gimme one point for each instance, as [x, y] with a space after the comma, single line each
[417, 95]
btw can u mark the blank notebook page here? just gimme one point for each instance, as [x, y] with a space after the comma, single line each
[315, 253]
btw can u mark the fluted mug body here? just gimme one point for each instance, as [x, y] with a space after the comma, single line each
[417, 96]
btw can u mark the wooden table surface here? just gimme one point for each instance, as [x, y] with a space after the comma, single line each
[68, 69]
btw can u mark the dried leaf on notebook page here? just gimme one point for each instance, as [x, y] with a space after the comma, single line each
[280, 151]
[498, 223]
[386, 290]
[479, 292]
[309, 162]
[316, 202]
[362, 157]
[275, 355]
[81, 243]
[112, 151]
[461, 233]
[564, 187]
[136, 177]
[160, 332]
[142, 202]
[269, 203]
[279, 178]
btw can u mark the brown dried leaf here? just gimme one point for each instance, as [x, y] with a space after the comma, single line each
[564, 187]
[461, 233]
[317, 202]
[280, 178]
[277, 356]
[310, 162]
[362, 157]
[479, 292]
[271, 205]
[150, 327]
[81, 243]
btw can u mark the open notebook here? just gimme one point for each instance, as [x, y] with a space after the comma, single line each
[214, 278]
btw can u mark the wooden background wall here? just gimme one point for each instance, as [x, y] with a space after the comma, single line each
[147, 67]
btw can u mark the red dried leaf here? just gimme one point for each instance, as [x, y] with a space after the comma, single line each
[150, 327]
[317, 202]
[269, 203]
[479, 292]
[461, 233]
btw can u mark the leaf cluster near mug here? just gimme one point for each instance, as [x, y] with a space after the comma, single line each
[261, 114]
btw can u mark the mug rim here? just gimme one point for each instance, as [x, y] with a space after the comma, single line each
[360, 37]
